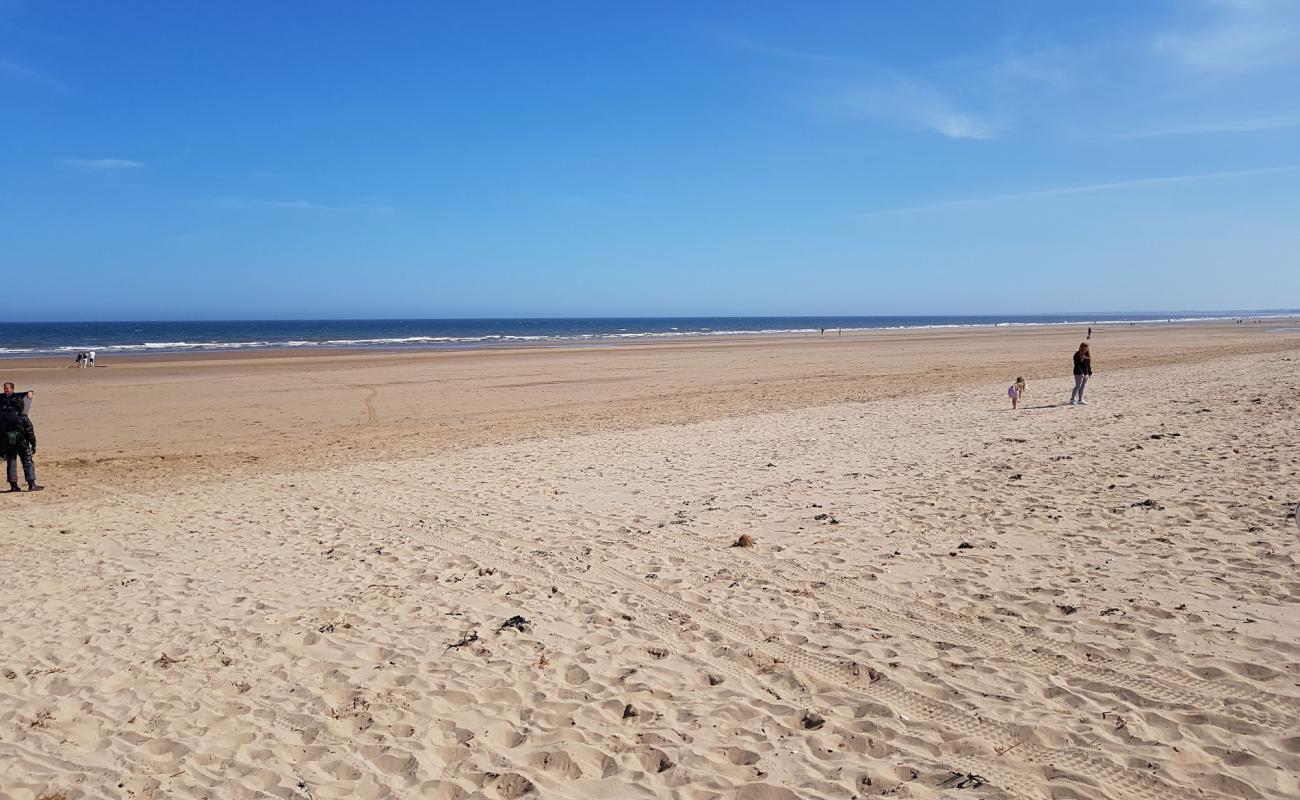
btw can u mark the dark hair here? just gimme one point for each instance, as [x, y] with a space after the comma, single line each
[8, 385]
[1083, 348]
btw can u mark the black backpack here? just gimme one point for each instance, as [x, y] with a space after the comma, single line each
[12, 435]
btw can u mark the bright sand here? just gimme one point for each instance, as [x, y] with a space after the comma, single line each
[289, 576]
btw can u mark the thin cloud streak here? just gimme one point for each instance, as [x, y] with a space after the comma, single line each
[789, 54]
[1094, 188]
[1225, 126]
[883, 96]
[1242, 37]
[103, 164]
[916, 105]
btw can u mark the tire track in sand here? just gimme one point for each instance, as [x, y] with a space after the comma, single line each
[372, 417]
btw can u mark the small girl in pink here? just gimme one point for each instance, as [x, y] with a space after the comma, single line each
[1017, 391]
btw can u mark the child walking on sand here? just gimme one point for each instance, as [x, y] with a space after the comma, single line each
[1016, 392]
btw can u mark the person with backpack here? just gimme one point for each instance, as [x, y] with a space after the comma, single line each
[18, 442]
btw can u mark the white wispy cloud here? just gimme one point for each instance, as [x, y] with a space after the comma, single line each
[1206, 66]
[918, 105]
[956, 125]
[873, 93]
[1238, 36]
[1091, 188]
[103, 164]
[1054, 67]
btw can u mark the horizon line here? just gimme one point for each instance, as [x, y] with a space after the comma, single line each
[1227, 312]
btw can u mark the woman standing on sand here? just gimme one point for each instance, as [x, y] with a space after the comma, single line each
[1082, 371]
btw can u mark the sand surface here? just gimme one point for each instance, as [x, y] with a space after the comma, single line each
[945, 599]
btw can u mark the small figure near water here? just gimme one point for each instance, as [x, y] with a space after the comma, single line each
[1082, 371]
[1017, 391]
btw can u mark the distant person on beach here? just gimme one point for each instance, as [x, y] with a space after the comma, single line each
[13, 402]
[18, 442]
[1082, 371]
[1017, 391]
[1089, 333]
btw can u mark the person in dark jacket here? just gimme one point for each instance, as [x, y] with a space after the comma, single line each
[1082, 371]
[18, 442]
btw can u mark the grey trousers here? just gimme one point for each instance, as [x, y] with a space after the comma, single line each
[1080, 381]
[29, 469]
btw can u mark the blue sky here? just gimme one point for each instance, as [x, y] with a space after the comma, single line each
[171, 160]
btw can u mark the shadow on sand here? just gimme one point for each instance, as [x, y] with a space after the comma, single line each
[1037, 407]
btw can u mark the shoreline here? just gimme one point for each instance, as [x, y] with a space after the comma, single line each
[164, 356]
[434, 344]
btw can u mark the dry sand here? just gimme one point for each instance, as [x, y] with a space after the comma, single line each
[945, 599]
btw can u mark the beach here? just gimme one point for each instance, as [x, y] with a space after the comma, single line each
[511, 572]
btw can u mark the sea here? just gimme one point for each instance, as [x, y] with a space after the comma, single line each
[32, 339]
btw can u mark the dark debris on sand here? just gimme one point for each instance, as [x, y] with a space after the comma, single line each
[812, 721]
[517, 622]
[966, 780]
[465, 641]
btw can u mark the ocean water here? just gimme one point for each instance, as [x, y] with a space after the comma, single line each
[19, 340]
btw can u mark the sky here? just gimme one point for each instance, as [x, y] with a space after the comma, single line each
[164, 160]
